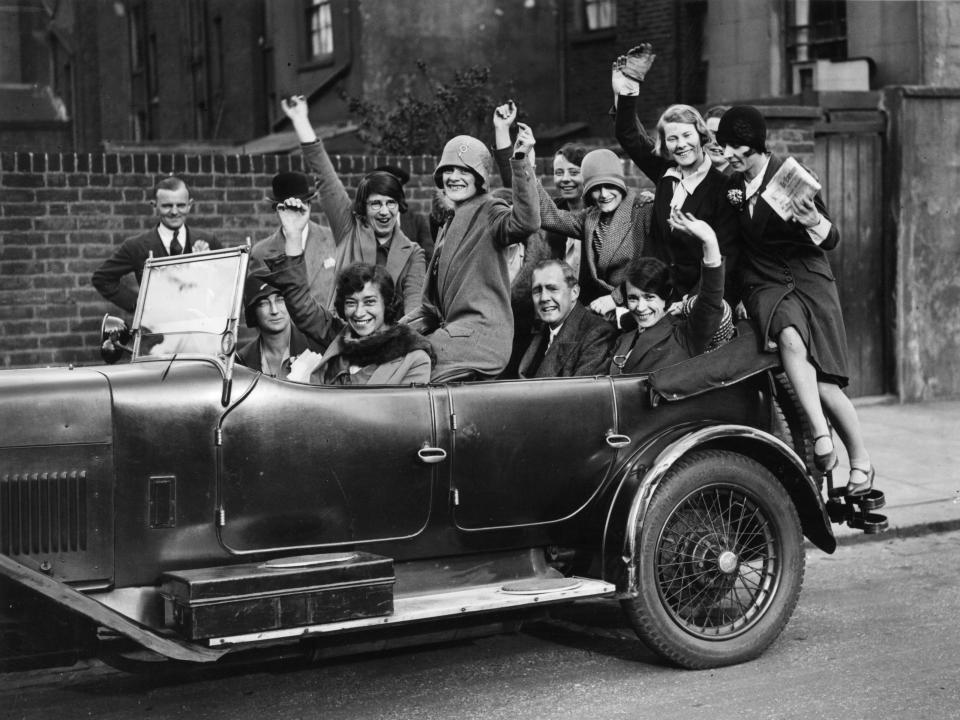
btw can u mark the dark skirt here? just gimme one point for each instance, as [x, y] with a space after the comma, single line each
[813, 308]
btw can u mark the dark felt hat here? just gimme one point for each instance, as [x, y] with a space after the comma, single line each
[255, 289]
[292, 185]
[743, 125]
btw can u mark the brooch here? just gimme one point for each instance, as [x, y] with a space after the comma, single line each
[735, 197]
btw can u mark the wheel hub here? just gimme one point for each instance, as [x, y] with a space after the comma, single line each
[728, 562]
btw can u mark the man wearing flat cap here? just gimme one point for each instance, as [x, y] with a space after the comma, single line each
[291, 192]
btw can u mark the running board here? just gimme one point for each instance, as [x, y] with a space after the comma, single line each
[418, 608]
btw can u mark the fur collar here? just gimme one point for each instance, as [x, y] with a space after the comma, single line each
[390, 344]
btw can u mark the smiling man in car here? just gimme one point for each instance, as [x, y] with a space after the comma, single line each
[572, 340]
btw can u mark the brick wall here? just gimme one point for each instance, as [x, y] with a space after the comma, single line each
[62, 214]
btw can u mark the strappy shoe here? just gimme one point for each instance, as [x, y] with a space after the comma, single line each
[825, 462]
[860, 488]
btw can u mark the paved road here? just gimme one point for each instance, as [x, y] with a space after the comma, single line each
[876, 635]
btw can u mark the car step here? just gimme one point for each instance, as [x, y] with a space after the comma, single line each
[476, 599]
[857, 512]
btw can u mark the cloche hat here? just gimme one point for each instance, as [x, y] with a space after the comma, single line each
[743, 125]
[602, 167]
[467, 152]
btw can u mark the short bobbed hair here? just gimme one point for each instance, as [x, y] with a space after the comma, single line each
[379, 182]
[573, 153]
[680, 114]
[651, 276]
[352, 279]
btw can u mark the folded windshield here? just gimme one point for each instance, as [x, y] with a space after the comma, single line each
[189, 304]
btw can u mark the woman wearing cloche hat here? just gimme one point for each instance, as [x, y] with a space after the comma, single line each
[466, 299]
[613, 227]
[788, 287]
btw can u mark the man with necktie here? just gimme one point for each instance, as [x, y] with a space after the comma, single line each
[572, 341]
[171, 236]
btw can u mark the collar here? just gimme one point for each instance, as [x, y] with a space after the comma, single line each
[753, 186]
[554, 332]
[690, 182]
[166, 236]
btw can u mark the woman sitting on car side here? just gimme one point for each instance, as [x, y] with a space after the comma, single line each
[364, 345]
[659, 338]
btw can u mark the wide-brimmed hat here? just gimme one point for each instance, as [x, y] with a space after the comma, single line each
[292, 185]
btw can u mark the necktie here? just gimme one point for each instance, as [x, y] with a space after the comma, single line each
[175, 247]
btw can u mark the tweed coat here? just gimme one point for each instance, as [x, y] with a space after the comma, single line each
[626, 238]
[673, 339]
[326, 331]
[319, 254]
[707, 202]
[355, 240]
[581, 347]
[466, 299]
[787, 280]
[130, 258]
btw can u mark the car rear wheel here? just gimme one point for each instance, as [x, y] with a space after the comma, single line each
[721, 562]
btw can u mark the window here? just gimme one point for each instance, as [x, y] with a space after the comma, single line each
[600, 14]
[319, 30]
[818, 31]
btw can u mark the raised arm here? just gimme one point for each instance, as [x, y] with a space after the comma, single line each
[628, 74]
[707, 312]
[523, 217]
[288, 274]
[334, 200]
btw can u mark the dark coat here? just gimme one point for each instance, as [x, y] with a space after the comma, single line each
[787, 280]
[673, 339]
[130, 257]
[582, 347]
[319, 255]
[249, 355]
[466, 299]
[708, 202]
[355, 240]
[626, 238]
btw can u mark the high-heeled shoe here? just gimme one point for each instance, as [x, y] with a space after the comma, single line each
[860, 488]
[825, 462]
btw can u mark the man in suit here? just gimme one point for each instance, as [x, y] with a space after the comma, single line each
[171, 236]
[319, 248]
[572, 340]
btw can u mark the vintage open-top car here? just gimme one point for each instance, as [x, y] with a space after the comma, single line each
[200, 508]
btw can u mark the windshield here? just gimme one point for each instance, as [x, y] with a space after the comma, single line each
[189, 304]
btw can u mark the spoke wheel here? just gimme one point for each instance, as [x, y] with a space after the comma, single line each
[721, 562]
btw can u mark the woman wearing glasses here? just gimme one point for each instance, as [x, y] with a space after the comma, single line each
[368, 229]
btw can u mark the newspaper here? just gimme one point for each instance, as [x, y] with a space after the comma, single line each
[792, 180]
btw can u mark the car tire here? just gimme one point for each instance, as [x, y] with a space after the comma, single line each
[790, 423]
[721, 562]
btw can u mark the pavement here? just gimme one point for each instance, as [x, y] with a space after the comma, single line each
[915, 449]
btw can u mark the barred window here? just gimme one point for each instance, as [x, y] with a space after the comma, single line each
[600, 14]
[319, 29]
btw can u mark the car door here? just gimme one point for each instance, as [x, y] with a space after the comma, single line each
[306, 466]
[529, 452]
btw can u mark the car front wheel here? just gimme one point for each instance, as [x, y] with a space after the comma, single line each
[721, 562]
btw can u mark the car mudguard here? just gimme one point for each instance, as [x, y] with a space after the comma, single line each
[641, 476]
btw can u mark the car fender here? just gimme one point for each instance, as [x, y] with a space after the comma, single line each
[645, 471]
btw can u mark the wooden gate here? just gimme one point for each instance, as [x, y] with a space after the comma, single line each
[849, 161]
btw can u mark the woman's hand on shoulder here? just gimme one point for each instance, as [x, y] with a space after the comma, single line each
[302, 366]
[603, 305]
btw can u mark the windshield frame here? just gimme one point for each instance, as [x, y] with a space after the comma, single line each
[157, 268]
